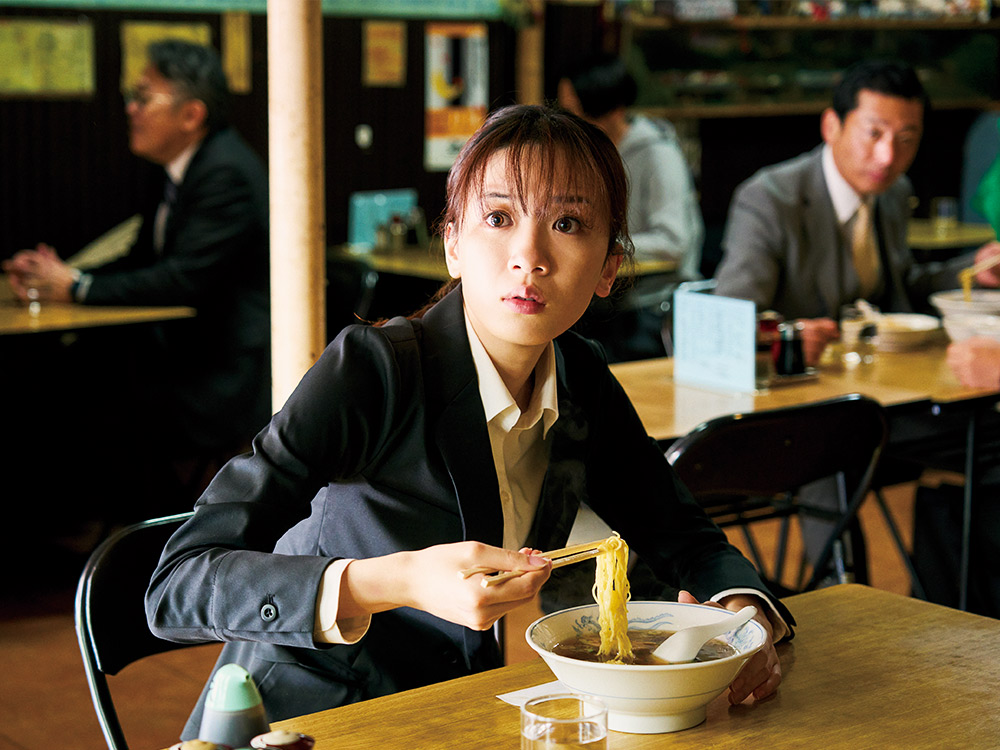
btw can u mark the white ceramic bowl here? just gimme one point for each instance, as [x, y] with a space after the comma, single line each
[645, 699]
[953, 301]
[904, 331]
[961, 327]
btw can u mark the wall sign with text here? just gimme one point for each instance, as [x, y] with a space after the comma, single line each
[455, 90]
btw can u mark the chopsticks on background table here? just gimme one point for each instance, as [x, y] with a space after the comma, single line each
[559, 557]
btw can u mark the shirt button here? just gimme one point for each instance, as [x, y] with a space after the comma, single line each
[268, 612]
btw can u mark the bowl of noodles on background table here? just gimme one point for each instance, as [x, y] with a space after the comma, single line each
[645, 698]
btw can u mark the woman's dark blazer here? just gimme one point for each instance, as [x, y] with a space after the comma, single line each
[384, 447]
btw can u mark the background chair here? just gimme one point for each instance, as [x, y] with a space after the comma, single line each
[350, 290]
[110, 616]
[747, 468]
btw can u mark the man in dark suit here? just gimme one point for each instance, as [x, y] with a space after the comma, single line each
[204, 388]
[789, 240]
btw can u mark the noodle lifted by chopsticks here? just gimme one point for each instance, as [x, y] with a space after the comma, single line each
[611, 592]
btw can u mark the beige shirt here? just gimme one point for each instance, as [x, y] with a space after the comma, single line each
[518, 439]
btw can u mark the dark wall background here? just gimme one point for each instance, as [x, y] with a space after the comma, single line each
[66, 174]
[733, 148]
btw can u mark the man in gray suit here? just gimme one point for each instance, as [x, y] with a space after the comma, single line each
[788, 239]
[790, 245]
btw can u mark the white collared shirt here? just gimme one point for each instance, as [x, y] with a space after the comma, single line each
[176, 170]
[844, 198]
[517, 439]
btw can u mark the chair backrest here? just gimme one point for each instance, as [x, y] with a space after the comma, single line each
[775, 452]
[110, 615]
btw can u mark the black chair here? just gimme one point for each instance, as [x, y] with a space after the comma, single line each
[746, 468]
[110, 616]
[350, 291]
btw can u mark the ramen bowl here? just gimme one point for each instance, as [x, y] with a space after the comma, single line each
[961, 327]
[985, 301]
[646, 699]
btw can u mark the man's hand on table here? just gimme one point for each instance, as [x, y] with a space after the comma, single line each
[816, 334]
[976, 362]
[762, 674]
[40, 269]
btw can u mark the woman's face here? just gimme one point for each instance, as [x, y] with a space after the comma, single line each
[530, 267]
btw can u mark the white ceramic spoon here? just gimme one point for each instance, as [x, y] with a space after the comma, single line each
[683, 646]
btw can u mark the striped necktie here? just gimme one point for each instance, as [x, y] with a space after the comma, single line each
[865, 250]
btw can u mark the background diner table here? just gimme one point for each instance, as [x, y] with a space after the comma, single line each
[915, 386]
[867, 669]
[428, 262]
[901, 378]
[15, 318]
[922, 234]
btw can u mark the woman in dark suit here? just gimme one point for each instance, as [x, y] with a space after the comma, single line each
[327, 559]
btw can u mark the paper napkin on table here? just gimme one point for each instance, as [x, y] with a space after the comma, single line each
[519, 697]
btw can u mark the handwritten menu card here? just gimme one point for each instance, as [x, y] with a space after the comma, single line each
[714, 339]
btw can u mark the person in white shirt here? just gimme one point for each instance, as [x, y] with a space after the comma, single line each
[663, 213]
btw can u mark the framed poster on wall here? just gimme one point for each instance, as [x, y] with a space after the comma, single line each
[455, 89]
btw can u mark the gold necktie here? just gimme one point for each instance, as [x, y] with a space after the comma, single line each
[865, 250]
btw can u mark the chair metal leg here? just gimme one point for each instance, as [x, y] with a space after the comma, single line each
[754, 550]
[779, 560]
[918, 588]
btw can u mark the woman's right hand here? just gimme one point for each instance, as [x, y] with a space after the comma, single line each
[430, 580]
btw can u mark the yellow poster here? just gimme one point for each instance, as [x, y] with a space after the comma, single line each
[136, 36]
[385, 53]
[39, 58]
[237, 51]
[456, 89]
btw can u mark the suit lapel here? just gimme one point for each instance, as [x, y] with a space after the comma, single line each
[823, 238]
[191, 177]
[887, 223]
[456, 410]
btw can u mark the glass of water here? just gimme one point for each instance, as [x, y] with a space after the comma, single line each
[564, 720]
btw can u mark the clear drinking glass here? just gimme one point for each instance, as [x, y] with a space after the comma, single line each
[564, 720]
[34, 296]
[858, 334]
[944, 215]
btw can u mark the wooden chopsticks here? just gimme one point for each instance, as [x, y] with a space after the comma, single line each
[981, 265]
[967, 275]
[559, 557]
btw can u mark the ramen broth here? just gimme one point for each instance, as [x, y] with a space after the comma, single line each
[585, 647]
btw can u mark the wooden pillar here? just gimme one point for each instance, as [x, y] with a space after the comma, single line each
[298, 223]
[530, 65]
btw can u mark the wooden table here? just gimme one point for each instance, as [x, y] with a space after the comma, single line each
[428, 263]
[669, 410]
[867, 669]
[922, 235]
[918, 380]
[54, 316]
